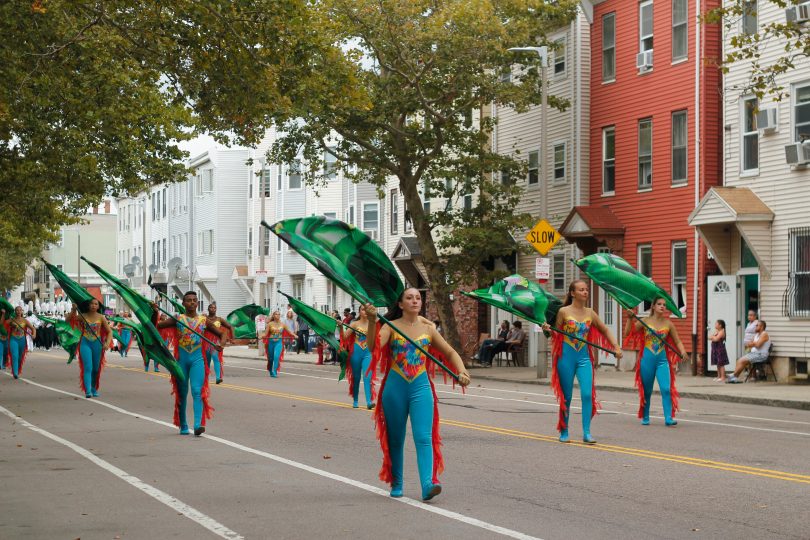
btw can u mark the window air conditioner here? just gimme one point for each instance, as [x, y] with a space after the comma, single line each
[371, 233]
[767, 119]
[798, 153]
[644, 60]
[798, 14]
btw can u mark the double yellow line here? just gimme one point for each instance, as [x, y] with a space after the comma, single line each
[649, 454]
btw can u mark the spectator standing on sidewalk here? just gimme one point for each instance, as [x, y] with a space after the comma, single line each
[303, 336]
[719, 354]
[750, 329]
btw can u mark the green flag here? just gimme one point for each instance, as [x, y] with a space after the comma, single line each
[77, 294]
[6, 305]
[243, 320]
[320, 323]
[178, 307]
[522, 297]
[345, 255]
[142, 309]
[68, 336]
[623, 282]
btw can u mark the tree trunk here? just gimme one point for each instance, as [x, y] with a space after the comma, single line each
[430, 258]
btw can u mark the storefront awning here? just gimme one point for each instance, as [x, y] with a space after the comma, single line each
[724, 209]
[590, 227]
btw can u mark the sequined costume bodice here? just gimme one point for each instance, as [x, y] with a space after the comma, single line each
[276, 332]
[91, 331]
[360, 340]
[188, 340]
[407, 360]
[653, 344]
[581, 329]
[17, 330]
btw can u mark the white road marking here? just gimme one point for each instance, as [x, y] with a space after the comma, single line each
[574, 407]
[191, 513]
[326, 474]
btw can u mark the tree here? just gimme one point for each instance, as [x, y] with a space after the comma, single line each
[95, 95]
[792, 38]
[419, 69]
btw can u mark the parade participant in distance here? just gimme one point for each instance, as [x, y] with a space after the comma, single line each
[96, 339]
[212, 354]
[18, 346]
[126, 337]
[360, 361]
[274, 337]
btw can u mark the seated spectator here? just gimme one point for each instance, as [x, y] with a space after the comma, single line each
[750, 329]
[760, 347]
[490, 347]
[516, 336]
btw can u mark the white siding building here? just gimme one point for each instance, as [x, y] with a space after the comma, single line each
[756, 227]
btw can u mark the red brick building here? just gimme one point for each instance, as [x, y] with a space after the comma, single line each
[655, 147]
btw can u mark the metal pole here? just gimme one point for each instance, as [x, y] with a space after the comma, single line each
[542, 363]
[79, 261]
[264, 232]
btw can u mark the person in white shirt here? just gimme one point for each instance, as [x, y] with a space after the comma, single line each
[760, 346]
[750, 329]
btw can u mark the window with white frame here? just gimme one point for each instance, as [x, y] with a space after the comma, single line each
[206, 181]
[154, 212]
[266, 240]
[298, 289]
[679, 275]
[645, 268]
[801, 112]
[645, 153]
[799, 275]
[679, 142]
[559, 162]
[749, 24]
[448, 193]
[645, 30]
[350, 215]
[558, 271]
[468, 201]
[266, 183]
[609, 47]
[394, 211]
[331, 215]
[294, 175]
[165, 196]
[534, 168]
[249, 250]
[278, 244]
[330, 164]
[609, 160]
[280, 171]
[371, 219]
[559, 57]
[408, 223]
[205, 242]
[506, 178]
[750, 135]
[164, 259]
[680, 29]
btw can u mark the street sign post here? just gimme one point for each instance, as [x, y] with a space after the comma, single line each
[543, 237]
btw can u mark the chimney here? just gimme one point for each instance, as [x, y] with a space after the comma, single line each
[106, 207]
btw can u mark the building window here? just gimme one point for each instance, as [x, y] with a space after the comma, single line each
[645, 153]
[164, 259]
[279, 185]
[505, 177]
[448, 194]
[294, 174]
[266, 182]
[154, 214]
[679, 275]
[609, 47]
[645, 268]
[298, 289]
[249, 250]
[408, 222]
[559, 162]
[278, 244]
[468, 200]
[534, 168]
[559, 57]
[394, 211]
[680, 29]
[801, 113]
[609, 160]
[558, 271]
[266, 240]
[205, 181]
[645, 18]
[330, 164]
[679, 136]
[330, 215]
[205, 242]
[750, 135]
[371, 219]
[799, 275]
[750, 25]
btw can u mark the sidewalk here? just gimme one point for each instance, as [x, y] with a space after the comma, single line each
[792, 396]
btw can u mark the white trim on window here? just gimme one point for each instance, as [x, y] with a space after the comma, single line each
[680, 30]
[560, 156]
[679, 139]
[645, 154]
[800, 100]
[749, 136]
[679, 269]
[608, 161]
[609, 48]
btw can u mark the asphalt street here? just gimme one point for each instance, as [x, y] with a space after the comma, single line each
[290, 458]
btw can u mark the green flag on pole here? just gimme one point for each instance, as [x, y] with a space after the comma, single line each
[77, 294]
[142, 310]
[243, 320]
[6, 305]
[68, 336]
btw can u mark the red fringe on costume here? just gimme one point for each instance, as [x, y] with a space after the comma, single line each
[635, 341]
[384, 354]
[208, 410]
[103, 362]
[7, 349]
[432, 368]
[594, 336]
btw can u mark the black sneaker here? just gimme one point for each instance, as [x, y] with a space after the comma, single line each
[199, 431]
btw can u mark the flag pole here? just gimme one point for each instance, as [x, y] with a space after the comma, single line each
[577, 338]
[654, 333]
[187, 327]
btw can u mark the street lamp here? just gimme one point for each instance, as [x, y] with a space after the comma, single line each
[542, 53]
[264, 177]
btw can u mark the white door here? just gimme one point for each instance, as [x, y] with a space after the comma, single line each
[609, 312]
[722, 304]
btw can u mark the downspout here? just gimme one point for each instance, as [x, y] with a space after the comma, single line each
[696, 256]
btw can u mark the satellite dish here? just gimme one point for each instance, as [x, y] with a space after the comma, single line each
[175, 263]
[153, 268]
[129, 269]
[183, 274]
[136, 260]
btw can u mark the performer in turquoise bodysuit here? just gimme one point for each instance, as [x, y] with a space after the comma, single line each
[274, 336]
[17, 343]
[360, 361]
[656, 361]
[5, 335]
[189, 351]
[126, 338]
[212, 355]
[96, 339]
[408, 391]
[573, 358]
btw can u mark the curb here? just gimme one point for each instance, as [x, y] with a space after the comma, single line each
[768, 402]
